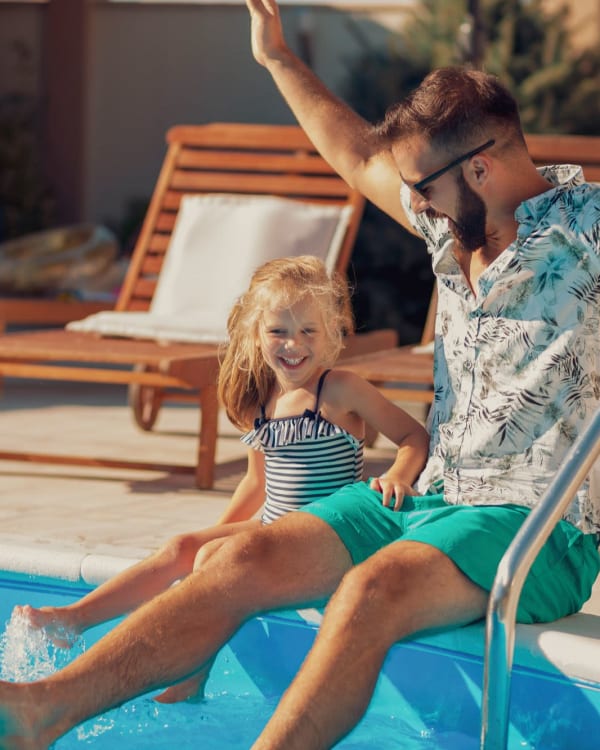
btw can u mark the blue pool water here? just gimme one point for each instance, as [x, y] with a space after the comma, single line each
[428, 698]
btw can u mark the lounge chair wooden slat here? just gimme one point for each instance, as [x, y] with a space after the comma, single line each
[157, 247]
[105, 463]
[239, 161]
[79, 346]
[297, 186]
[31, 311]
[166, 220]
[144, 289]
[173, 199]
[138, 304]
[226, 135]
[567, 149]
[152, 265]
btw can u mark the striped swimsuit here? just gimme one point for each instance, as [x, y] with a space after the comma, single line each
[306, 458]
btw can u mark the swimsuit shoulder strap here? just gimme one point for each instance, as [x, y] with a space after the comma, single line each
[320, 388]
[259, 421]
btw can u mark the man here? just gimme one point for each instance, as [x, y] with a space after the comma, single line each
[518, 266]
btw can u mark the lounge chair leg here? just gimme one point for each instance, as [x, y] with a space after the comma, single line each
[145, 401]
[209, 408]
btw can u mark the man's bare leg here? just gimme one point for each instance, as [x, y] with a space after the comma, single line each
[297, 559]
[129, 589]
[404, 588]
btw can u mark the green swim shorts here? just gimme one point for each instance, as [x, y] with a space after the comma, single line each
[474, 537]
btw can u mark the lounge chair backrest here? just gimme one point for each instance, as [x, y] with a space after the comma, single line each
[231, 158]
[567, 149]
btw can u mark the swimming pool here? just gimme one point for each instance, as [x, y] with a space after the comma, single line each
[427, 698]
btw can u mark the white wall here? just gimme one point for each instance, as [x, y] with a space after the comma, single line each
[153, 66]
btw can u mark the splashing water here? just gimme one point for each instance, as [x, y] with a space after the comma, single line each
[27, 653]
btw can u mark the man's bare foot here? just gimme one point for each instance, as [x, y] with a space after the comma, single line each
[58, 625]
[191, 690]
[17, 727]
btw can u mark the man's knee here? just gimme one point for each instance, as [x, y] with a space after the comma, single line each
[381, 583]
[253, 548]
[407, 587]
[370, 585]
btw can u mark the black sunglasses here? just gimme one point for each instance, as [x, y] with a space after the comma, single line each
[418, 186]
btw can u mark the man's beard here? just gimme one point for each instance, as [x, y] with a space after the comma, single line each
[469, 226]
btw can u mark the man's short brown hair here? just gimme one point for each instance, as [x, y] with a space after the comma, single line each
[456, 108]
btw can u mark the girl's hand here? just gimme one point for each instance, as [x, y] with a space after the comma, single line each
[392, 490]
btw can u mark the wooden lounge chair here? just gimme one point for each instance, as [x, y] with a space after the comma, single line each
[405, 373]
[206, 159]
[567, 149]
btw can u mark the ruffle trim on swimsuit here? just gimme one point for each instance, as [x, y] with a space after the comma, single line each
[275, 433]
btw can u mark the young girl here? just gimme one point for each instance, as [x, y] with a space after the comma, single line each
[304, 424]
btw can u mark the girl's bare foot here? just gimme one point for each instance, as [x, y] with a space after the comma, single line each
[191, 690]
[55, 621]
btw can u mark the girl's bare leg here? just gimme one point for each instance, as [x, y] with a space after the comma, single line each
[130, 588]
[192, 689]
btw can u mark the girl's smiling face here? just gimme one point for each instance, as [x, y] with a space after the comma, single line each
[294, 342]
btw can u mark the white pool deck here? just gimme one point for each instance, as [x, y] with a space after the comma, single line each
[87, 523]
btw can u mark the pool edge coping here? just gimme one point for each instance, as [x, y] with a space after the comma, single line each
[570, 646]
[70, 565]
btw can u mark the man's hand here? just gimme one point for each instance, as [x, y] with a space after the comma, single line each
[267, 32]
[393, 490]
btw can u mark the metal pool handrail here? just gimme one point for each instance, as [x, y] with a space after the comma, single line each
[512, 571]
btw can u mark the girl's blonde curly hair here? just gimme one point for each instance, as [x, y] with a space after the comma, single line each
[245, 380]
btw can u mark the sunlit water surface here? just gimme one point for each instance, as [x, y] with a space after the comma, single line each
[427, 698]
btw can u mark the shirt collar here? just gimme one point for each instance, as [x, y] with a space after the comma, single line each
[562, 177]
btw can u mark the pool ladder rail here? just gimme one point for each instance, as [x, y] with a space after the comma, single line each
[512, 571]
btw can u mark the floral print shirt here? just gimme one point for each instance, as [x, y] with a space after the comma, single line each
[517, 363]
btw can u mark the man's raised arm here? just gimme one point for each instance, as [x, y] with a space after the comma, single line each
[344, 139]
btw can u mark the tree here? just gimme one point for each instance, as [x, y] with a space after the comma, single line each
[529, 48]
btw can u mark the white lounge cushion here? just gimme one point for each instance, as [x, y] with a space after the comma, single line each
[217, 243]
